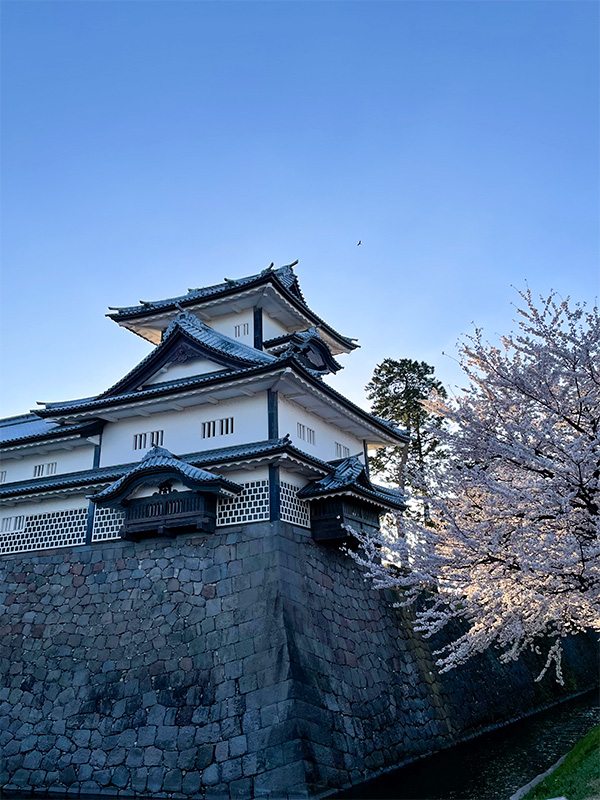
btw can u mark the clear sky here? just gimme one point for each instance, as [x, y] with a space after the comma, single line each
[149, 147]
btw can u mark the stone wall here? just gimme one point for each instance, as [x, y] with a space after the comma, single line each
[367, 691]
[232, 665]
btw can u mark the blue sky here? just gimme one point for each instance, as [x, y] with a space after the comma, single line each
[153, 146]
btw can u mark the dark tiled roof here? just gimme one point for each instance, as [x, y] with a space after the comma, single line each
[349, 475]
[24, 426]
[54, 409]
[219, 342]
[210, 341]
[204, 458]
[300, 342]
[31, 427]
[159, 459]
[284, 276]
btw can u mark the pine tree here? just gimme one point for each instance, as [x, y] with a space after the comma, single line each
[397, 390]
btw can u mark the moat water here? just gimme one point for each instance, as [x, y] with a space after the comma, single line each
[492, 766]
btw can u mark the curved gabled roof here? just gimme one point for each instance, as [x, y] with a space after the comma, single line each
[300, 343]
[159, 465]
[349, 476]
[283, 278]
[205, 342]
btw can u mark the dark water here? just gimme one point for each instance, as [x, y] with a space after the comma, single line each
[492, 766]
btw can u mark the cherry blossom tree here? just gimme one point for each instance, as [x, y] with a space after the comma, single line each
[514, 551]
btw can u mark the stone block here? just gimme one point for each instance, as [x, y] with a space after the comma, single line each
[211, 775]
[152, 756]
[156, 776]
[172, 781]
[191, 783]
[204, 756]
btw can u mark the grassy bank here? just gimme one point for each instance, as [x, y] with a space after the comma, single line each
[578, 777]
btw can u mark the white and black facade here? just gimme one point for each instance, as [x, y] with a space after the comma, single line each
[227, 421]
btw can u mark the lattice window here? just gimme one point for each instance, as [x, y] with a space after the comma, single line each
[291, 508]
[251, 505]
[48, 530]
[2, 476]
[107, 524]
[241, 330]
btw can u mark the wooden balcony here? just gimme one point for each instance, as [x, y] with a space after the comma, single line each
[169, 515]
[328, 517]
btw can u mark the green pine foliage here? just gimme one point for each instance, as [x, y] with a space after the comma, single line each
[578, 777]
[396, 391]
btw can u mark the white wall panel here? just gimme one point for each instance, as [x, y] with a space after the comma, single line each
[226, 324]
[80, 458]
[196, 366]
[272, 327]
[183, 429]
[326, 434]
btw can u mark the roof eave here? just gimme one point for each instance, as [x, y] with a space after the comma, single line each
[143, 312]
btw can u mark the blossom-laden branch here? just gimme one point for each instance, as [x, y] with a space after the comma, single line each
[514, 549]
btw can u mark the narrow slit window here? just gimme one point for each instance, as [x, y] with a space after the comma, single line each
[341, 451]
[306, 434]
[243, 329]
[139, 441]
[10, 524]
[2, 476]
[157, 438]
[226, 426]
[44, 469]
[217, 427]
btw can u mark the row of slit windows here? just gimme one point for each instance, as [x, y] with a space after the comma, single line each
[217, 427]
[210, 429]
[10, 524]
[142, 441]
[39, 470]
[241, 330]
[305, 433]
[44, 469]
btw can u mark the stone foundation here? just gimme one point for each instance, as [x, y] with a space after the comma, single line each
[244, 663]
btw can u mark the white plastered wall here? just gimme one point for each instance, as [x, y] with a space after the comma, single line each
[226, 324]
[75, 460]
[272, 327]
[47, 505]
[326, 434]
[196, 366]
[183, 429]
[244, 475]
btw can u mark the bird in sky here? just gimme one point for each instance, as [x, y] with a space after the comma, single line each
[358, 244]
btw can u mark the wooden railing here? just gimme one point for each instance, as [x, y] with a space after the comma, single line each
[169, 514]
